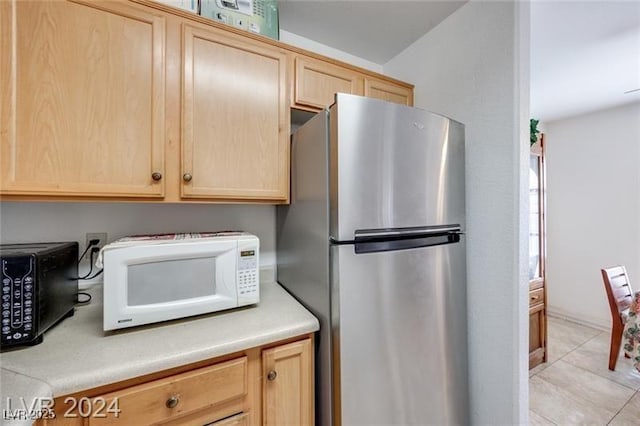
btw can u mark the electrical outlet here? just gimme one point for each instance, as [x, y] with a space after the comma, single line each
[102, 236]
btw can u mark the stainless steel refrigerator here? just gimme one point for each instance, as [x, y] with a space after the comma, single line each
[373, 244]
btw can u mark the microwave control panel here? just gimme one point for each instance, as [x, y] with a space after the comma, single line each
[248, 276]
[17, 299]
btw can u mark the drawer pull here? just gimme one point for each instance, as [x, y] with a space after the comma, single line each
[172, 402]
[534, 297]
[156, 176]
[187, 177]
[272, 375]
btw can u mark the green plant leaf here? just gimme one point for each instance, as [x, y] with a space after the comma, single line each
[533, 131]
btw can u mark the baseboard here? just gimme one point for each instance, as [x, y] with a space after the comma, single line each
[580, 320]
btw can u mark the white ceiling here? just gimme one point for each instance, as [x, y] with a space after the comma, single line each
[584, 56]
[373, 30]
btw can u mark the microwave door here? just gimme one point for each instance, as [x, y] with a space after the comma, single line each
[158, 283]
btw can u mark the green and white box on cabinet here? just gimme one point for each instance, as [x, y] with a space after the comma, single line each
[256, 16]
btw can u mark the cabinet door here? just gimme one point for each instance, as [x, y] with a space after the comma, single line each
[388, 91]
[82, 99]
[316, 82]
[288, 384]
[537, 335]
[235, 126]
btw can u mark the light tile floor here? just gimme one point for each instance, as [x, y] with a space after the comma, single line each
[575, 387]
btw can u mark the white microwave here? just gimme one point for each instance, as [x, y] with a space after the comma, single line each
[154, 278]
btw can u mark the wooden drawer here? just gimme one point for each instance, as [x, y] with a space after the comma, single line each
[175, 396]
[536, 296]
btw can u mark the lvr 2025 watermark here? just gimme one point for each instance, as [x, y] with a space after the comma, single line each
[21, 409]
[44, 408]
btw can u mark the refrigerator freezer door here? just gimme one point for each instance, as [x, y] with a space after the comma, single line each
[393, 166]
[399, 327]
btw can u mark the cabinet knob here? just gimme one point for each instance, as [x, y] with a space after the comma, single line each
[172, 402]
[187, 177]
[156, 176]
[271, 376]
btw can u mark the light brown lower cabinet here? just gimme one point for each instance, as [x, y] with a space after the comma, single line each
[537, 329]
[289, 373]
[270, 385]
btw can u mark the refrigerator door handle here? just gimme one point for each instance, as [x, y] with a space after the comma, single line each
[375, 242]
[364, 235]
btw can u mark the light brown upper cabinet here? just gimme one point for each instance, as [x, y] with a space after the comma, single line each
[316, 82]
[235, 117]
[387, 91]
[82, 99]
[138, 100]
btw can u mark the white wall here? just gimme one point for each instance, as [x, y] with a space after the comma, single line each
[593, 208]
[474, 67]
[61, 221]
[323, 49]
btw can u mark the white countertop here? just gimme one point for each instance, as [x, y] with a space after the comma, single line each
[22, 391]
[78, 355]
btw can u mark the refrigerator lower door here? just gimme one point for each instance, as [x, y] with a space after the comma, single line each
[399, 330]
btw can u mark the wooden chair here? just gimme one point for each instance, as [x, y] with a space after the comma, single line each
[619, 293]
